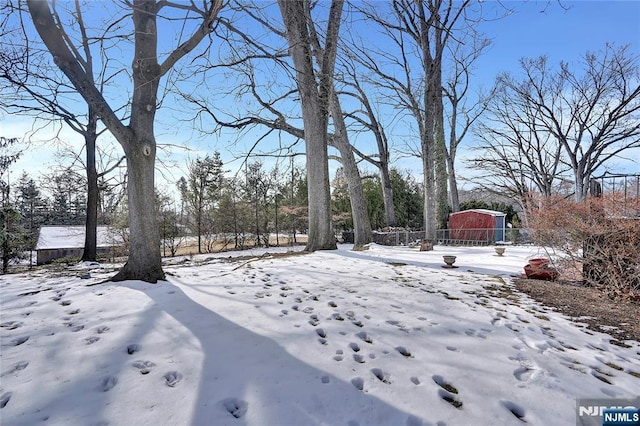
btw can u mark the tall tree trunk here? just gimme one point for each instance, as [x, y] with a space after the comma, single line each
[314, 99]
[453, 186]
[145, 262]
[361, 224]
[387, 195]
[90, 252]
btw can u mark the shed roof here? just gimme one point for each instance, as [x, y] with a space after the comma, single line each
[482, 211]
[58, 237]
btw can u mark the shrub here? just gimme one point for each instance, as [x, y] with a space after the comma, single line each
[593, 239]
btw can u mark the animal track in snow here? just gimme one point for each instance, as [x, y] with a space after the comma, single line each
[19, 366]
[314, 321]
[354, 347]
[325, 379]
[4, 399]
[172, 378]
[144, 366]
[102, 329]
[358, 358]
[523, 373]
[358, 324]
[358, 383]
[440, 381]
[415, 380]
[91, 340]
[338, 358]
[450, 398]
[381, 375]
[517, 410]
[332, 304]
[337, 317]
[65, 302]
[236, 407]
[365, 337]
[107, 383]
[133, 348]
[77, 328]
[321, 332]
[307, 310]
[11, 325]
[404, 352]
[19, 340]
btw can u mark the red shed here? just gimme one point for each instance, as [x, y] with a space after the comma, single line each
[477, 225]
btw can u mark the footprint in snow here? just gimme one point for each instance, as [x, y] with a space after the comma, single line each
[77, 328]
[358, 358]
[354, 347]
[523, 373]
[144, 367]
[107, 383]
[236, 407]
[365, 337]
[381, 375]
[11, 325]
[448, 392]
[337, 317]
[73, 311]
[358, 323]
[133, 348]
[102, 329]
[517, 410]
[415, 380]
[358, 383]
[332, 304]
[404, 352]
[4, 399]
[320, 332]
[91, 340]
[65, 302]
[172, 378]
[314, 321]
[17, 367]
[19, 340]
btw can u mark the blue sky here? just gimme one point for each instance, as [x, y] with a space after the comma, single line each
[562, 31]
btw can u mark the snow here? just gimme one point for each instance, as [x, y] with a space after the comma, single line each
[55, 237]
[385, 336]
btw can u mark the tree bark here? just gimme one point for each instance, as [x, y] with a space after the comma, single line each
[314, 99]
[90, 252]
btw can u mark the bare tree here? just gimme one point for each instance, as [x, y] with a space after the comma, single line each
[461, 116]
[592, 113]
[366, 117]
[137, 138]
[411, 76]
[315, 89]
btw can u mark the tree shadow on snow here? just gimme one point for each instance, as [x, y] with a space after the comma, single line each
[246, 378]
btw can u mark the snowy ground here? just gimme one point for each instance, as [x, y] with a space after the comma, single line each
[381, 337]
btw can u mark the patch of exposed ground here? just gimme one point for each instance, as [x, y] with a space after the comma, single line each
[587, 305]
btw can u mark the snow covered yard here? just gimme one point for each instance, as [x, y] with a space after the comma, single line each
[381, 337]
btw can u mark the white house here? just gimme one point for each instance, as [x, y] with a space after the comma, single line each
[55, 242]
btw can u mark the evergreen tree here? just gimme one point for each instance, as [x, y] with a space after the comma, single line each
[200, 193]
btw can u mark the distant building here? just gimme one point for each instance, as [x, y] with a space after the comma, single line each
[477, 225]
[56, 242]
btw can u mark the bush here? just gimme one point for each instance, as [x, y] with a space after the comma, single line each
[593, 240]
